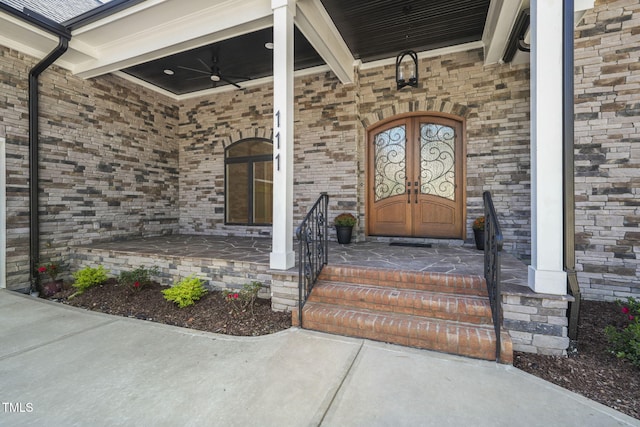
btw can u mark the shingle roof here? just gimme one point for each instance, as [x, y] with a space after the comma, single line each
[56, 10]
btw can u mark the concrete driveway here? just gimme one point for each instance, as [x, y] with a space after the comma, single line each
[62, 366]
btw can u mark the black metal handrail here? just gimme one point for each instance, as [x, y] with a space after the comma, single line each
[313, 247]
[492, 247]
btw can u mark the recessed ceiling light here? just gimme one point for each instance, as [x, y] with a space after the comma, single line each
[269, 45]
[169, 72]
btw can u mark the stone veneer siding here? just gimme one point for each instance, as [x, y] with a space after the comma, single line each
[324, 156]
[216, 273]
[607, 132]
[536, 323]
[108, 162]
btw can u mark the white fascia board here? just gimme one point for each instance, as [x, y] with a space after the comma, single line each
[24, 37]
[425, 54]
[175, 34]
[583, 5]
[314, 23]
[33, 41]
[580, 8]
[500, 20]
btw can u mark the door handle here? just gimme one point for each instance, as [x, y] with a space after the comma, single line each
[408, 192]
[416, 191]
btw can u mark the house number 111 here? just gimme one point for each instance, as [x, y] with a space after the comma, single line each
[277, 137]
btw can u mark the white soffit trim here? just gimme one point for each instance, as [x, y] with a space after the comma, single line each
[227, 88]
[500, 19]
[421, 55]
[314, 23]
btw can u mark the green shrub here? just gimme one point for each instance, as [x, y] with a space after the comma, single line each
[245, 298]
[625, 342]
[88, 277]
[137, 278]
[345, 220]
[185, 292]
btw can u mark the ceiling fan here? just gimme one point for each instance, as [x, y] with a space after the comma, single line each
[214, 73]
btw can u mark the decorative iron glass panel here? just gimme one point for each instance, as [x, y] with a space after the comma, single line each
[437, 160]
[390, 162]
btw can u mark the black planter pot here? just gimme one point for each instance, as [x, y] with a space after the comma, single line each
[343, 232]
[479, 236]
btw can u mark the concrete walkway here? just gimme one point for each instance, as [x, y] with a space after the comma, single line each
[61, 366]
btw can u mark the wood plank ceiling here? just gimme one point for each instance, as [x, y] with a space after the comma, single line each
[373, 29]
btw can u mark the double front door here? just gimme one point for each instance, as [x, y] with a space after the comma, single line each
[416, 178]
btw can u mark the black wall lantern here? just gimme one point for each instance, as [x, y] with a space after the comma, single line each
[412, 72]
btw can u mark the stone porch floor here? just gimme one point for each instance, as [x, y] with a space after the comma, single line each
[443, 258]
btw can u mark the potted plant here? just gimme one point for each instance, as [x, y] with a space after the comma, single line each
[478, 232]
[51, 285]
[344, 226]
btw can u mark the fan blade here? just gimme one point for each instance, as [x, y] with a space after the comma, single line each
[196, 70]
[232, 76]
[207, 66]
[230, 82]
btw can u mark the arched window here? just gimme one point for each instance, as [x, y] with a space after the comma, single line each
[249, 182]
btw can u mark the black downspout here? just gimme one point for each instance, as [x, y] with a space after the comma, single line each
[34, 217]
[568, 169]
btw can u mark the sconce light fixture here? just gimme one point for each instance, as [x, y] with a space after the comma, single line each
[412, 72]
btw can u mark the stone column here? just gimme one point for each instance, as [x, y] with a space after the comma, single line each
[282, 256]
[546, 273]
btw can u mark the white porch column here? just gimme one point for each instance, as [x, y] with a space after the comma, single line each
[546, 272]
[282, 256]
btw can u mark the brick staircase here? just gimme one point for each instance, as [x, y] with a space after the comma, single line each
[442, 312]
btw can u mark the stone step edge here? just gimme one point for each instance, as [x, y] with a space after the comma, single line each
[462, 308]
[444, 340]
[446, 283]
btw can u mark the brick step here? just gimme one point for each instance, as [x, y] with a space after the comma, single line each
[468, 340]
[460, 308]
[419, 280]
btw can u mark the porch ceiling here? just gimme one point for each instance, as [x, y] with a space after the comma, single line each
[372, 30]
[378, 29]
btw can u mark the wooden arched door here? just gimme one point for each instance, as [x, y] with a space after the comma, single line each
[415, 177]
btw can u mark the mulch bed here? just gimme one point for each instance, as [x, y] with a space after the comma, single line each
[590, 369]
[211, 313]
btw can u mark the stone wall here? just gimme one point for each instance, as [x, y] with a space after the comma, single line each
[536, 323]
[607, 132]
[330, 138]
[108, 162]
[216, 273]
[324, 153]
